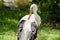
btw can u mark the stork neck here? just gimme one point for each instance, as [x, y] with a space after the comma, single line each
[36, 17]
[34, 13]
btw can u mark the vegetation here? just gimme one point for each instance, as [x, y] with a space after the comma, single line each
[49, 10]
[9, 20]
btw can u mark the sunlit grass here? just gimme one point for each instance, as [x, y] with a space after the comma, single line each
[8, 37]
[47, 33]
[48, 36]
[43, 34]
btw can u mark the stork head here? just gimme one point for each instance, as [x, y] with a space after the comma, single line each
[33, 9]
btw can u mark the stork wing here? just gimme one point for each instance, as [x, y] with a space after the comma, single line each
[20, 25]
[22, 19]
[34, 29]
[20, 28]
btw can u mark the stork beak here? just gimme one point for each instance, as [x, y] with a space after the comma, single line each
[30, 13]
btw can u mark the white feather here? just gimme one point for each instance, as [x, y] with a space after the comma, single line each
[26, 30]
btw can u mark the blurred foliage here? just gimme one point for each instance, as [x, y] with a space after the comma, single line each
[49, 10]
[20, 3]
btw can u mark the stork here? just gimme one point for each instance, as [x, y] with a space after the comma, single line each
[28, 25]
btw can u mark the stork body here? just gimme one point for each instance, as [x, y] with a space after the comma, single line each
[26, 30]
[34, 18]
[28, 25]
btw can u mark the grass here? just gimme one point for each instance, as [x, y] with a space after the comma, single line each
[8, 26]
[47, 33]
